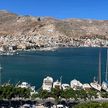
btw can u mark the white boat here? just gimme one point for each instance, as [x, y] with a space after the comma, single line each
[47, 83]
[65, 86]
[57, 84]
[27, 85]
[95, 86]
[24, 85]
[105, 86]
[86, 86]
[76, 85]
[105, 83]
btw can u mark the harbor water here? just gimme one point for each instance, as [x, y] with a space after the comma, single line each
[70, 63]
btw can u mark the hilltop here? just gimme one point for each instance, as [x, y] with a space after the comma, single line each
[26, 32]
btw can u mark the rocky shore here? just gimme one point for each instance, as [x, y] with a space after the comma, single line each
[28, 32]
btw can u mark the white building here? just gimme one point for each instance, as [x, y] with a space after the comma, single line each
[47, 83]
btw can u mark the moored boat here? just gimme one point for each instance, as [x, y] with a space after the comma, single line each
[95, 86]
[24, 85]
[57, 84]
[47, 83]
[105, 86]
[86, 86]
[65, 86]
[105, 83]
[27, 85]
[76, 85]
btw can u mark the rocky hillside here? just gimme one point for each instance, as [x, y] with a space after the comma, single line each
[26, 32]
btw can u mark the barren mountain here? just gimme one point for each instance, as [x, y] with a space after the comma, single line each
[32, 32]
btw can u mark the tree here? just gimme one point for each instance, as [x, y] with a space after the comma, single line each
[69, 93]
[43, 94]
[56, 93]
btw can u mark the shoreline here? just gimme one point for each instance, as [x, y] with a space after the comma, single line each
[16, 52]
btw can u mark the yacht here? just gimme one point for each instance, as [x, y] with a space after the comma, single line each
[105, 86]
[47, 83]
[95, 86]
[57, 84]
[24, 85]
[105, 83]
[86, 86]
[76, 85]
[65, 86]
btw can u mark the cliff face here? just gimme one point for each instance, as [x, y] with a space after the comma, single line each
[27, 31]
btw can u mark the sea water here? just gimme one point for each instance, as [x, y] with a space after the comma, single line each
[68, 63]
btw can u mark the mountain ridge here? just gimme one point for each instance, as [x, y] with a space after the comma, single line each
[29, 31]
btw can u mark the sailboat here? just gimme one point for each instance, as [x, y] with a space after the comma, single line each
[105, 83]
[97, 84]
[105, 86]
[76, 85]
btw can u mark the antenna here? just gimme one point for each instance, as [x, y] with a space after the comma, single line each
[94, 79]
[106, 75]
[17, 83]
[99, 71]
[61, 79]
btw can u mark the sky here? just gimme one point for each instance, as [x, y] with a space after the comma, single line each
[88, 9]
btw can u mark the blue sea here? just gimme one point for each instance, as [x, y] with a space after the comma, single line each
[70, 63]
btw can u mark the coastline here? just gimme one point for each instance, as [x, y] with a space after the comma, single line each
[16, 52]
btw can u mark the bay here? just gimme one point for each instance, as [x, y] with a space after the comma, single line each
[70, 63]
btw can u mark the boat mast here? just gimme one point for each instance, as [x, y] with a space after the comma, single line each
[99, 70]
[61, 79]
[106, 75]
[0, 73]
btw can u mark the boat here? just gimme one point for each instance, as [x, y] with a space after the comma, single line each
[97, 84]
[105, 83]
[24, 85]
[86, 86]
[105, 86]
[47, 83]
[65, 86]
[76, 85]
[57, 84]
